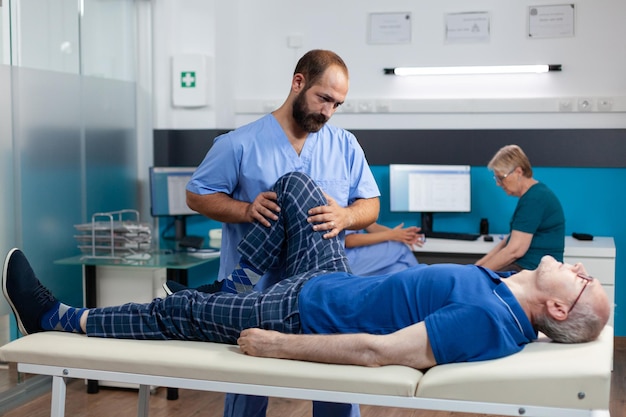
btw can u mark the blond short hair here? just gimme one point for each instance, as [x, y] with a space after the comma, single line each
[510, 157]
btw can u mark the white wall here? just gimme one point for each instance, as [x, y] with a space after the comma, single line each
[247, 41]
[181, 27]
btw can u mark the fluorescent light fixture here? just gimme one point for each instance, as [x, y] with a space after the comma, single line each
[492, 69]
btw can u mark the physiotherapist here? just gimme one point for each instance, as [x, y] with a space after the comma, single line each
[232, 183]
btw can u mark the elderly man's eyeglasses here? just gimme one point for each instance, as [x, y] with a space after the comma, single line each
[500, 178]
[588, 280]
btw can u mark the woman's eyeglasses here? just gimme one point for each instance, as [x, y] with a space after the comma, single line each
[587, 279]
[500, 178]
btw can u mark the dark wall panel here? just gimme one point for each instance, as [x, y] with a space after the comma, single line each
[183, 147]
[544, 147]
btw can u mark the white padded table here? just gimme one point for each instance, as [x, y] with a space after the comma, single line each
[544, 379]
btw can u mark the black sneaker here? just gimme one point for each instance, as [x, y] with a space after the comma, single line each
[171, 287]
[211, 288]
[28, 298]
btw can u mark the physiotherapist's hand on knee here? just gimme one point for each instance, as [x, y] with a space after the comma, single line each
[263, 207]
[331, 218]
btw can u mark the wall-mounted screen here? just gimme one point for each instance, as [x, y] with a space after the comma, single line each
[168, 191]
[430, 188]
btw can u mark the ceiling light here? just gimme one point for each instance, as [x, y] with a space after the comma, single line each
[493, 69]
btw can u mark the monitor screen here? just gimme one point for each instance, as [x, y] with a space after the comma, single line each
[429, 188]
[168, 191]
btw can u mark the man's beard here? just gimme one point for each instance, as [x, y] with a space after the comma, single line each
[309, 122]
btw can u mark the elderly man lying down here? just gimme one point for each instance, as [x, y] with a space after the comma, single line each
[420, 317]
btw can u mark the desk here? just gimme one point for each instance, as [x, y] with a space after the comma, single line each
[108, 281]
[437, 251]
[598, 256]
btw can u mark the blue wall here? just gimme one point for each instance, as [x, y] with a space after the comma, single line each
[206, 273]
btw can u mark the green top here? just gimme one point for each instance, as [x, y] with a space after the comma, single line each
[539, 212]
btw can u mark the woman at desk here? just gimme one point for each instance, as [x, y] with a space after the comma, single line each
[538, 223]
[379, 249]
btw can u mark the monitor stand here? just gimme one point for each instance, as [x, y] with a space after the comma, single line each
[180, 228]
[427, 222]
[180, 236]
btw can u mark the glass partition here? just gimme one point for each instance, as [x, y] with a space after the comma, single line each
[7, 214]
[2, 25]
[107, 38]
[68, 136]
[46, 35]
[89, 37]
[5, 33]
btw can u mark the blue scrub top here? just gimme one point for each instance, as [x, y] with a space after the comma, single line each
[249, 160]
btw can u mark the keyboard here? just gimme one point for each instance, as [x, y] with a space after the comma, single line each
[452, 235]
[191, 242]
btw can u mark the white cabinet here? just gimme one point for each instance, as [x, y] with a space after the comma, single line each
[598, 257]
[117, 285]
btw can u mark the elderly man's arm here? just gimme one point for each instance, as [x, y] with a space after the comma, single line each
[408, 347]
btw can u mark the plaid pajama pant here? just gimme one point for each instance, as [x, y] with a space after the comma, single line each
[191, 315]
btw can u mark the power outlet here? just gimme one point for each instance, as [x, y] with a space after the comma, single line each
[566, 104]
[605, 104]
[269, 106]
[383, 106]
[348, 107]
[366, 106]
[585, 104]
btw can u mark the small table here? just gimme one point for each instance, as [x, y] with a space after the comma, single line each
[176, 265]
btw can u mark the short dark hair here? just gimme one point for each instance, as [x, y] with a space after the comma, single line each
[313, 64]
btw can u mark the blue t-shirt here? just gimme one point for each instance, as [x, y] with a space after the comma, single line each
[249, 160]
[539, 213]
[469, 313]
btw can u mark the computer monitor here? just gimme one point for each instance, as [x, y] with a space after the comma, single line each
[428, 189]
[168, 195]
